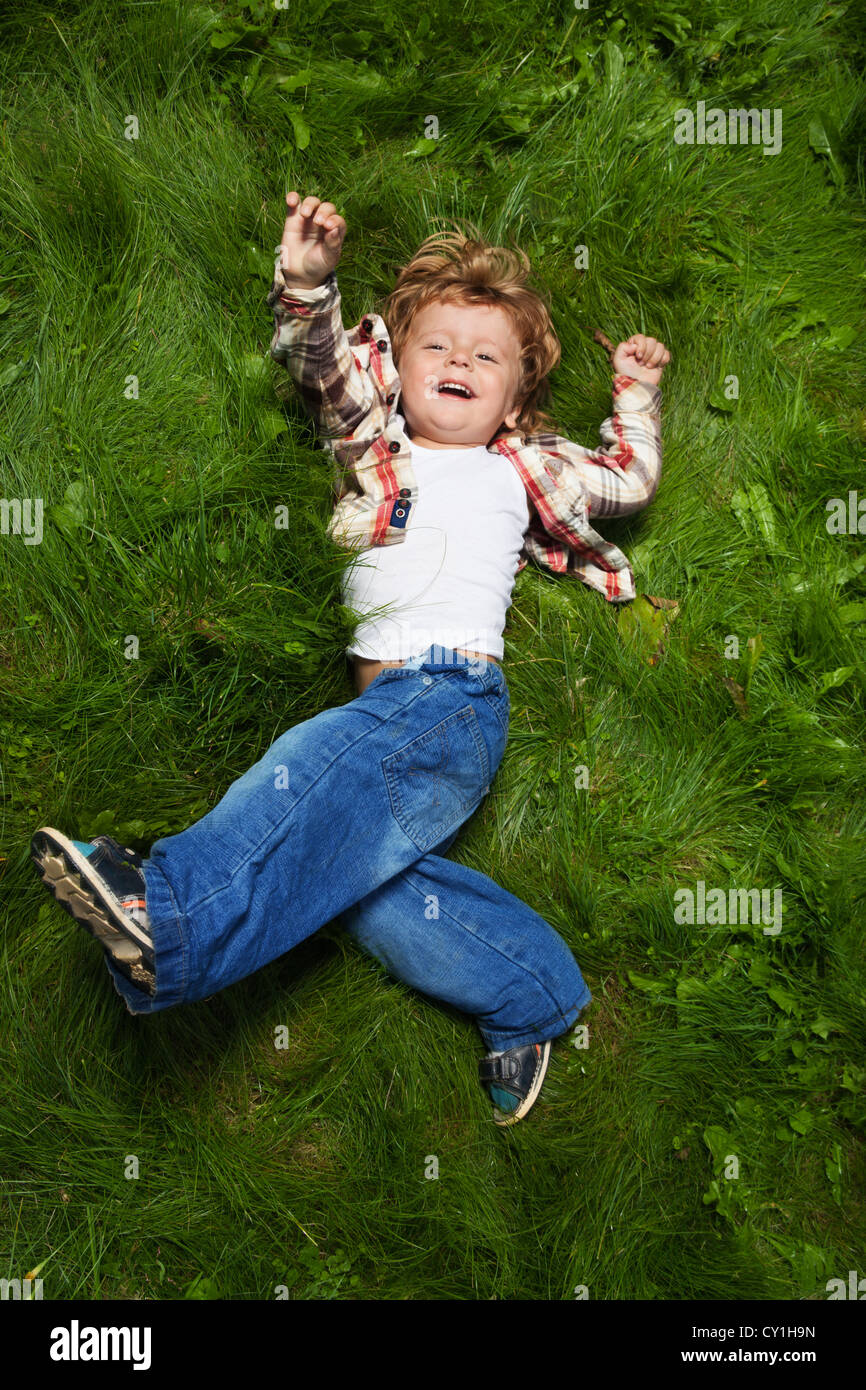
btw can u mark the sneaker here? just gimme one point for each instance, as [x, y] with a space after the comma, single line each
[514, 1079]
[102, 886]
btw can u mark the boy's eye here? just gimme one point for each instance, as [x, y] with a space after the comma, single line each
[481, 354]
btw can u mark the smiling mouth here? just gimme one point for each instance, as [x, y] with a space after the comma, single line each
[456, 393]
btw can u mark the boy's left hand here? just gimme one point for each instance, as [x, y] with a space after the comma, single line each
[642, 358]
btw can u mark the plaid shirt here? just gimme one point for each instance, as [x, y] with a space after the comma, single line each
[349, 384]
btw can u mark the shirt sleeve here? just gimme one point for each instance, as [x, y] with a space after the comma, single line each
[311, 342]
[623, 476]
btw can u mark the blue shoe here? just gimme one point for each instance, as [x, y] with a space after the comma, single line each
[101, 885]
[514, 1079]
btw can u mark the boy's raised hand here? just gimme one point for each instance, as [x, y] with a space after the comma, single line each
[642, 358]
[312, 240]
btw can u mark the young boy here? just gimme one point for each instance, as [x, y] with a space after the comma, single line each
[450, 479]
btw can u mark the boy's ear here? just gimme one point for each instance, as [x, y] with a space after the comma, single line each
[517, 405]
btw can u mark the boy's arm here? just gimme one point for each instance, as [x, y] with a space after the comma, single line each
[622, 477]
[311, 342]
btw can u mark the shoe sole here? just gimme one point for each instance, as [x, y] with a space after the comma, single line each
[499, 1116]
[66, 874]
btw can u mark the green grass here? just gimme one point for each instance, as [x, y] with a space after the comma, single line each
[151, 258]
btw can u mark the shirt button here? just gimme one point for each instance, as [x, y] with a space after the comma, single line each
[366, 324]
[389, 399]
[405, 492]
[394, 446]
[399, 511]
[382, 345]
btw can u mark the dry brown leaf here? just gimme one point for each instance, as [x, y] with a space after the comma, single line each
[737, 695]
[608, 346]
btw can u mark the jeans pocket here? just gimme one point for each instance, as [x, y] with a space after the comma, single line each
[437, 780]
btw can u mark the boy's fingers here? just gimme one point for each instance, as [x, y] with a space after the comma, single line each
[302, 205]
[333, 224]
[305, 207]
[312, 208]
[650, 351]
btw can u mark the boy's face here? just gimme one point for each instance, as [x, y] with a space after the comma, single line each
[475, 345]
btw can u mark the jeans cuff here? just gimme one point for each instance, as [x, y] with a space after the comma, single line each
[498, 1041]
[171, 950]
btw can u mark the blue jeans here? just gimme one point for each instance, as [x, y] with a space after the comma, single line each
[350, 813]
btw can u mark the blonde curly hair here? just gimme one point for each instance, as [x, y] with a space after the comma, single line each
[454, 268]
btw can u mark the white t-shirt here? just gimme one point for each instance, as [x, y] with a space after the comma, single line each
[449, 582]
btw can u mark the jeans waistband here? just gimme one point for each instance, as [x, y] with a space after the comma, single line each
[439, 659]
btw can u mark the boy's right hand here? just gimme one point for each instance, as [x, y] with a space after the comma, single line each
[312, 241]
